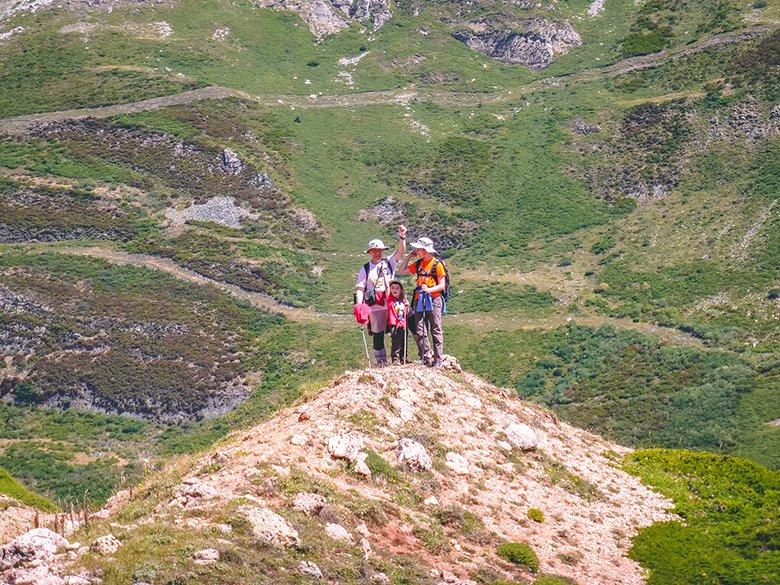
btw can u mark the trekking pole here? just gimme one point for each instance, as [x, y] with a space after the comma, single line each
[365, 344]
[406, 341]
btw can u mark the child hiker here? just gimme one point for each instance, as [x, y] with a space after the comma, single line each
[397, 315]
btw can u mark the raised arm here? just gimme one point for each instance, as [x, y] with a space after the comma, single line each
[403, 265]
[399, 251]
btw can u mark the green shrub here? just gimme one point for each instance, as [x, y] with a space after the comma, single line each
[730, 518]
[554, 580]
[643, 43]
[379, 466]
[602, 245]
[519, 553]
[535, 514]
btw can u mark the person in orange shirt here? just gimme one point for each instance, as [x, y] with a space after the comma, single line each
[427, 300]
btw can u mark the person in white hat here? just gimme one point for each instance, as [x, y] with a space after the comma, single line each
[427, 300]
[375, 277]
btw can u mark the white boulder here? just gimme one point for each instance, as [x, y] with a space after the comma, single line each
[413, 455]
[457, 463]
[106, 545]
[346, 445]
[31, 548]
[308, 503]
[207, 556]
[269, 527]
[309, 569]
[338, 532]
[522, 436]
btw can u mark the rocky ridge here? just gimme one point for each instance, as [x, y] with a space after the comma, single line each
[437, 466]
[327, 17]
[533, 42]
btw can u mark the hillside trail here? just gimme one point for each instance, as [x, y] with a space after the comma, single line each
[479, 321]
[19, 124]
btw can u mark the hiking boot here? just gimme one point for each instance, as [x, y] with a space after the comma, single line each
[437, 364]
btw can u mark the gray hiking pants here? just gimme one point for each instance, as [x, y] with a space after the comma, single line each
[430, 321]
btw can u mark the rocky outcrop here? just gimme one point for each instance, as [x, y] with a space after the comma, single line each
[106, 545]
[222, 210]
[533, 42]
[327, 17]
[447, 230]
[269, 527]
[458, 453]
[413, 455]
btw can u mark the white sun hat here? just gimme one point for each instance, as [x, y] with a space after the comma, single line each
[376, 245]
[426, 244]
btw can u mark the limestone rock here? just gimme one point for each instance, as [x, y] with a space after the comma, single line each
[269, 527]
[207, 556]
[360, 465]
[106, 545]
[533, 42]
[39, 575]
[298, 440]
[230, 163]
[413, 455]
[308, 503]
[457, 463]
[34, 547]
[346, 446]
[338, 532]
[309, 569]
[377, 12]
[521, 436]
[193, 492]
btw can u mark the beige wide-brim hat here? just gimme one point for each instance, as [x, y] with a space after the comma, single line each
[376, 245]
[426, 244]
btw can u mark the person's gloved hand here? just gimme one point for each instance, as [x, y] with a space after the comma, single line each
[361, 311]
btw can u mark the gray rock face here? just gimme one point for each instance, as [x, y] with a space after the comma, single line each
[269, 527]
[377, 12]
[31, 548]
[413, 456]
[222, 210]
[230, 162]
[533, 42]
[327, 17]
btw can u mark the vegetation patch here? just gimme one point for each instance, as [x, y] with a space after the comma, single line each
[729, 509]
[13, 489]
[535, 514]
[519, 553]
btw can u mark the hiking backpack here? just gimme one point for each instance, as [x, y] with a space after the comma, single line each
[445, 294]
[369, 296]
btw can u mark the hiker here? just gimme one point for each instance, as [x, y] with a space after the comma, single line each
[397, 317]
[428, 298]
[371, 288]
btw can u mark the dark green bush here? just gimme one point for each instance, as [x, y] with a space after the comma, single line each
[730, 529]
[519, 553]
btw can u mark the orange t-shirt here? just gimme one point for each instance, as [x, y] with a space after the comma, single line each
[425, 275]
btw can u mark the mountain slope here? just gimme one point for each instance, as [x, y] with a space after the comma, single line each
[416, 472]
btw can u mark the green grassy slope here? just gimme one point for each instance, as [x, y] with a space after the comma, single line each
[13, 489]
[728, 530]
[541, 200]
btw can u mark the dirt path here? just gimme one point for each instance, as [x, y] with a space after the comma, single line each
[480, 321]
[168, 266]
[18, 124]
